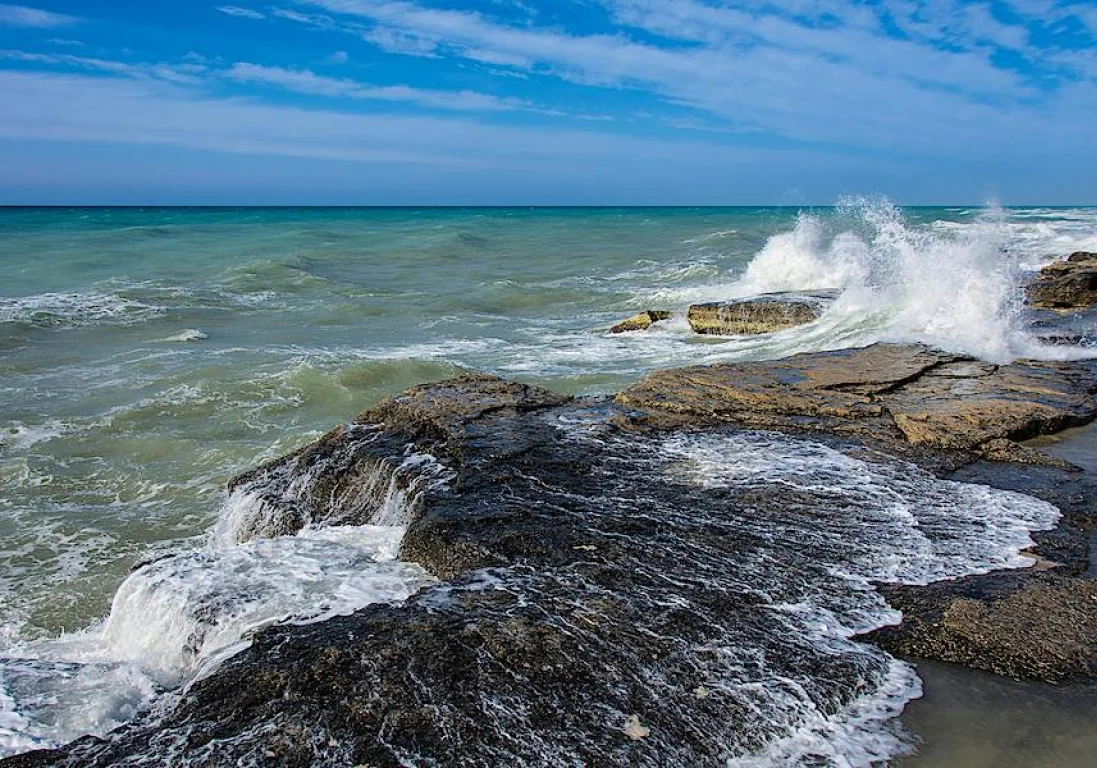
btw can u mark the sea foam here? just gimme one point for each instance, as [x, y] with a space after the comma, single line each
[958, 286]
[178, 617]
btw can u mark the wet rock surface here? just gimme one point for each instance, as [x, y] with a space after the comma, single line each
[626, 583]
[1037, 626]
[889, 392]
[758, 314]
[1066, 285]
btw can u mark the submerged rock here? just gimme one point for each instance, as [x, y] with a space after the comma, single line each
[759, 314]
[1066, 285]
[641, 321]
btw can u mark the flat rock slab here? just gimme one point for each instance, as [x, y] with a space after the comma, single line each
[886, 391]
[1066, 285]
[1034, 626]
[767, 313]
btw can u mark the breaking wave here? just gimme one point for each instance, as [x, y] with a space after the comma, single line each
[958, 287]
[175, 619]
[53, 310]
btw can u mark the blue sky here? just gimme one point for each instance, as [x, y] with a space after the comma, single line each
[535, 102]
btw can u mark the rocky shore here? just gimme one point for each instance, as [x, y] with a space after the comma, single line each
[604, 599]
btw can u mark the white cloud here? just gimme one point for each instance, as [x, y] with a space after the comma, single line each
[810, 72]
[339, 57]
[400, 41]
[458, 159]
[178, 74]
[22, 16]
[243, 13]
[817, 70]
[85, 108]
[306, 81]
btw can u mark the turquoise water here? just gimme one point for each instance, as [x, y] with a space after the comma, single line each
[148, 355]
[119, 437]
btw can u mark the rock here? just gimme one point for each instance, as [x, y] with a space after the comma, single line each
[1028, 625]
[636, 730]
[1066, 285]
[1001, 449]
[1060, 338]
[888, 392]
[641, 321]
[760, 314]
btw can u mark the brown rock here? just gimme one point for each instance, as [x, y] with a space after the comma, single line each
[888, 391]
[446, 406]
[759, 314]
[1034, 625]
[1064, 285]
[641, 321]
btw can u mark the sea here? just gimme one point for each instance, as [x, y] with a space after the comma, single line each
[148, 355]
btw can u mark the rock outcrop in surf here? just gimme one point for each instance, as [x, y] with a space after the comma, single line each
[641, 321]
[767, 313]
[1066, 285]
[657, 579]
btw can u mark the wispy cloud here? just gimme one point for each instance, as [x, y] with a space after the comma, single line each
[306, 81]
[818, 70]
[23, 16]
[86, 108]
[183, 74]
[243, 13]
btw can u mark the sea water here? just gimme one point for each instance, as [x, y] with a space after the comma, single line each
[146, 356]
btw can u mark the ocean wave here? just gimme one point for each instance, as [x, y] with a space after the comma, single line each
[954, 285]
[189, 334]
[75, 309]
[717, 235]
[178, 617]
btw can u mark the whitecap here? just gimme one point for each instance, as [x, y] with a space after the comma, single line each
[189, 334]
[75, 309]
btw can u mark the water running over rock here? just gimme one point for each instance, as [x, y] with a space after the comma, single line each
[613, 597]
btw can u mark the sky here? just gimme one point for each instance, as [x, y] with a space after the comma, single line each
[531, 102]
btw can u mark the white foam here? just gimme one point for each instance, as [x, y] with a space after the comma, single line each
[189, 334]
[177, 618]
[18, 436]
[864, 733]
[883, 521]
[895, 510]
[173, 615]
[803, 259]
[74, 309]
[953, 285]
